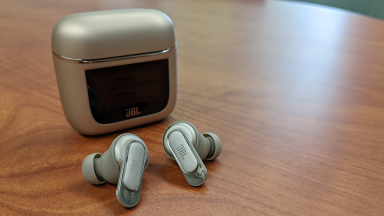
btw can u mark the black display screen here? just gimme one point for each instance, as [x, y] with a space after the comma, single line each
[128, 91]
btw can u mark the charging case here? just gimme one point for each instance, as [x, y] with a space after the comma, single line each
[115, 69]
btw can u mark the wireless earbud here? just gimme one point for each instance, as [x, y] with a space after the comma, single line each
[184, 143]
[123, 163]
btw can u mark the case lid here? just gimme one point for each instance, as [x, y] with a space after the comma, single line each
[105, 34]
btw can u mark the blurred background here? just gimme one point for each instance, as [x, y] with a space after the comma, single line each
[372, 8]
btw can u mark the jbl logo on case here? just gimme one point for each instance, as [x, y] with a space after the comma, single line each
[134, 111]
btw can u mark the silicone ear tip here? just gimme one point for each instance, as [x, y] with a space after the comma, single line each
[217, 143]
[88, 169]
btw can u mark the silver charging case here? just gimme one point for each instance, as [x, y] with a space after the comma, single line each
[115, 69]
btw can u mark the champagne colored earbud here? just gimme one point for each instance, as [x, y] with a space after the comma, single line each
[185, 144]
[122, 164]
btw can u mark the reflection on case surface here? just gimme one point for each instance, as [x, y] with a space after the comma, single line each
[125, 92]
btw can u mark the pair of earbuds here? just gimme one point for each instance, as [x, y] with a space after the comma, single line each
[127, 158]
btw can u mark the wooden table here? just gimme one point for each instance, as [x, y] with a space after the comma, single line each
[295, 92]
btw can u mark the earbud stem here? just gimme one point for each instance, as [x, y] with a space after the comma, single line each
[131, 174]
[186, 157]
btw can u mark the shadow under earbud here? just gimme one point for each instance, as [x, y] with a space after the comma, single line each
[212, 166]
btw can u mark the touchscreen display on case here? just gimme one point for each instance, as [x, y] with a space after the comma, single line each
[129, 91]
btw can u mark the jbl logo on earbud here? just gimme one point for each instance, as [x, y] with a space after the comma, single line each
[135, 166]
[134, 111]
[182, 151]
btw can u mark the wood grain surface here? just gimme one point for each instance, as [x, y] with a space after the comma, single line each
[295, 92]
